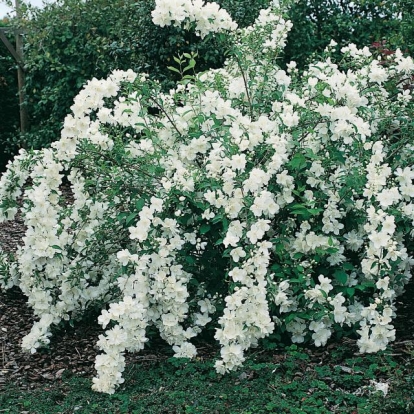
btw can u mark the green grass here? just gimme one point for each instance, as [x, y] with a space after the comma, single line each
[293, 380]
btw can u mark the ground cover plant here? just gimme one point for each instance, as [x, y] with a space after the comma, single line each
[287, 380]
[249, 201]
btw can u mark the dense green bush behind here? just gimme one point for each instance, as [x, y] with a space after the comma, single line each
[9, 108]
[363, 22]
[69, 42]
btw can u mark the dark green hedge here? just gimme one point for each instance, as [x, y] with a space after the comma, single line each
[363, 22]
[71, 41]
[9, 103]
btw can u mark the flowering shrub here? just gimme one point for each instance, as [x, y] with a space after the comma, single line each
[255, 199]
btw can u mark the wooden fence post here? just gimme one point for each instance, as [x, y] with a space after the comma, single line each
[24, 118]
[18, 56]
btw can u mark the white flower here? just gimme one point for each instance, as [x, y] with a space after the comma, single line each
[123, 256]
[140, 231]
[297, 328]
[116, 336]
[237, 253]
[234, 233]
[104, 318]
[377, 73]
[185, 350]
[258, 230]
[405, 65]
[239, 275]
[354, 240]
[379, 239]
[388, 197]
[169, 319]
[238, 162]
[201, 319]
[325, 284]
[315, 295]
[380, 386]
[321, 336]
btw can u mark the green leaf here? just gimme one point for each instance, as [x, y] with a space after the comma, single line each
[298, 161]
[205, 228]
[337, 156]
[139, 204]
[56, 247]
[191, 64]
[130, 218]
[367, 285]
[217, 218]
[190, 259]
[298, 209]
[226, 252]
[315, 211]
[350, 291]
[341, 277]
[121, 216]
[347, 266]
[290, 318]
[173, 69]
[276, 267]
[301, 210]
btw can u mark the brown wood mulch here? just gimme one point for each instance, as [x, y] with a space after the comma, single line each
[73, 350]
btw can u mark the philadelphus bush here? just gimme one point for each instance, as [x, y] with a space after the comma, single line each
[250, 199]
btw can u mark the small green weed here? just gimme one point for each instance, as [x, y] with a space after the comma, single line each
[293, 381]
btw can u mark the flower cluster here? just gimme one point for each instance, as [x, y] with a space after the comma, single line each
[207, 17]
[249, 199]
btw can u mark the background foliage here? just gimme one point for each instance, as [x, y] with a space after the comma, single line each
[363, 22]
[9, 108]
[69, 42]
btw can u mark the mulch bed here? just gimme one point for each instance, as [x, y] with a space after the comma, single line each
[73, 350]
